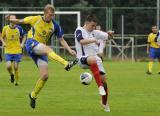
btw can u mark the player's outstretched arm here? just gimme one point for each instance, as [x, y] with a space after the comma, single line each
[148, 47]
[101, 35]
[89, 41]
[2, 40]
[66, 46]
[15, 20]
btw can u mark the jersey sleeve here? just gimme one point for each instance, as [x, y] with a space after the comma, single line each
[22, 33]
[30, 20]
[149, 38]
[78, 35]
[101, 35]
[58, 30]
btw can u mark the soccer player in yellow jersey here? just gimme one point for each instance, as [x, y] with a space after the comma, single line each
[153, 49]
[11, 35]
[42, 28]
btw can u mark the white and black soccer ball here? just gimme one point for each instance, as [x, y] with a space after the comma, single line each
[86, 78]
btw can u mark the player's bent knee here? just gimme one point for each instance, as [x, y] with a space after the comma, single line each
[48, 49]
[9, 66]
[91, 60]
[40, 49]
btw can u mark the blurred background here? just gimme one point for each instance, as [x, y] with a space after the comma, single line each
[130, 19]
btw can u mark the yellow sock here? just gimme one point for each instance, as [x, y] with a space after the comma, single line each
[16, 76]
[150, 65]
[54, 57]
[39, 85]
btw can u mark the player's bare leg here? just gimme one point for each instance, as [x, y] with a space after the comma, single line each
[43, 68]
[10, 70]
[16, 73]
[42, 49]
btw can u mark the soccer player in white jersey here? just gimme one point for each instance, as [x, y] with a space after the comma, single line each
[87, 41]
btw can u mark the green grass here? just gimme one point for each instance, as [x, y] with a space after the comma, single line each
[132, 92]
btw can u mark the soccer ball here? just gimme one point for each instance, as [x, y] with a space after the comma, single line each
[86, 78]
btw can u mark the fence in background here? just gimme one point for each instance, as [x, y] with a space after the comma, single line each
[137, 25]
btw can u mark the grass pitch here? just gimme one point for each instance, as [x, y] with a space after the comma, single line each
[132, 92]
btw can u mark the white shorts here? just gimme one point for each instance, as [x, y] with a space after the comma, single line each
[83, 63]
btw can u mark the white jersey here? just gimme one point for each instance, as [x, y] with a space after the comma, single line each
[88, 49]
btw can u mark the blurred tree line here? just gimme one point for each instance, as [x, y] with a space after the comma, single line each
[69, 3]
[136, 21]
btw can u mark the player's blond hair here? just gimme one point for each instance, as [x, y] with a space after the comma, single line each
[49, 7]
[12, 15]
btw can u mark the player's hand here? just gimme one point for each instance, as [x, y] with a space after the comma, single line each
[97, 41]
[22, 45]
[7, 17]
[4, 44]
[110, 33]
[72, 52]
[12, 20]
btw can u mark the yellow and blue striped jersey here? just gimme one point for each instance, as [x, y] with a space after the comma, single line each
[151, 40]
[12, 39]
[41, 31]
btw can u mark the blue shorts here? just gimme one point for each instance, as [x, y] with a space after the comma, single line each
[30, 44]
[13, 57]
[154, 53]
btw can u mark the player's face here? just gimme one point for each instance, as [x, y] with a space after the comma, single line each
[12, 17]
[154, 29]
[91, 26]
[48, 15]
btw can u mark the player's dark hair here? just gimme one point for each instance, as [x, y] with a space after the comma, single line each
[154, 25]
[91, 18]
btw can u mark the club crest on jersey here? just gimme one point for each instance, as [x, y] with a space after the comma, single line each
[44, 32]
[50, 30]
[12, 36]
[17, 33]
